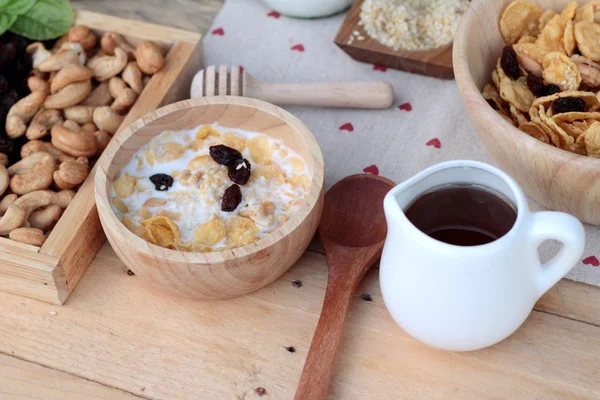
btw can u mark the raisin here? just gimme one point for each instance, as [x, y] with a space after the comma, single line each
[549, 90]
[535, 84]
[239, 171]
[224, 155]
[6, 145]
[162, 182]
[568, 104]
[510, 63]
[231, 198]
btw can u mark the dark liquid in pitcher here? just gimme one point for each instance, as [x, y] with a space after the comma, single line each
[462, 215]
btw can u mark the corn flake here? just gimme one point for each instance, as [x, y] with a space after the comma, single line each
[119, 204]
[234, 141]
[569, 12]
[210, 233]
[161, 231]
[241, 231]
[561, 71]
[546, 16]
[585, 13]
[517, 93]
[206, 131]
[125, 185]
[592, 140]
[520, 18]
[535, 131]
[260, 150]
[587, 35]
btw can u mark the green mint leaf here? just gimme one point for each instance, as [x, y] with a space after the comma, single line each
[6, 21]
[16, 7]
[48, 19]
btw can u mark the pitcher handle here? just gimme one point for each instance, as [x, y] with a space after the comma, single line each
[566, 229]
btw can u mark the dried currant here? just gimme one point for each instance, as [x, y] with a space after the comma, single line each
[568, 104]
[549, 90]
[231, 198]
[510, 63]
[162, 182]
[239, 171]
[535, 84]
[224, 155]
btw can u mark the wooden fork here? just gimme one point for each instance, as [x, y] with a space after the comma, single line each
[232, 81]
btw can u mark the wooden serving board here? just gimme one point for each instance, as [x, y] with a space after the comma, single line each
[51, 272]
[436, 63]
[117, 337]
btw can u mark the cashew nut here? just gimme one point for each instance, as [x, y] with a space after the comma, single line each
[107, 120]
[3, 159]
[78, 144]
[69, 96]
[111, 40]
[32, 173]
[37, 84]
[72, 173]
[71, 73]
[105, 67]
[76, 47]
[27, 235]
[42, 123]
[149, 57]
[89, 126]
[99, 97]
[58, 60]
[80, 114]
[103, 139]
[83, 35]
[21, 113]
[530, 65]
[45, 218]
[589, 70]
[3, 179]
[35, 146]
[132, 75]
[38, 53]
[72, 125]
[7, 201]
[60, 42]
[124, 96]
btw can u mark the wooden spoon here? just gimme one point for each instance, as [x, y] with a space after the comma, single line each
[352, 231]
[225, 81]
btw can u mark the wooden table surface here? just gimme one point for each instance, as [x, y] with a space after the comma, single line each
[117, 338]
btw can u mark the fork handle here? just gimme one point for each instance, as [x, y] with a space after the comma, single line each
[333, 94]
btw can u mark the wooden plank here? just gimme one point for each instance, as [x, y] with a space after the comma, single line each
[573, 300]
[136, 31]
[436, 62]
[126, 334]
[42, 278]
[192, 15]
[22, 380]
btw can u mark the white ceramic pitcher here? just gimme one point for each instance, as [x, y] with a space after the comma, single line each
[467, 298]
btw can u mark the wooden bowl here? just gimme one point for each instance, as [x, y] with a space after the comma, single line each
[558, 179]
[229, 273]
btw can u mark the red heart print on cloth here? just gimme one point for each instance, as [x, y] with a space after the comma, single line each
[347, 127]
[241, 69]
[372, 169]
[218, 32]
[378, 67]
[592, 260]
[273, 14]
[405, 107]
[435, 142]
[298, 47]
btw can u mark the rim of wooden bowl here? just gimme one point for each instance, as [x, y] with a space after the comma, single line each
[120, 232]
[472, 94]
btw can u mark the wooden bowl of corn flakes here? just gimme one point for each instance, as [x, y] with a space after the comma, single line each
[211, 198]
[538, 66]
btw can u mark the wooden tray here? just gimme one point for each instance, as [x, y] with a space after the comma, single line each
[436, 63]
[50, 273]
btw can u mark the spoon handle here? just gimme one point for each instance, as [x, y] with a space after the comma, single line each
[318, 367]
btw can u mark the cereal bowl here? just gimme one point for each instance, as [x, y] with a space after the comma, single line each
[225, 273]
[558, 179]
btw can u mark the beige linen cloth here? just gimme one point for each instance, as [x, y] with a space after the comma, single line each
[427, 124]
